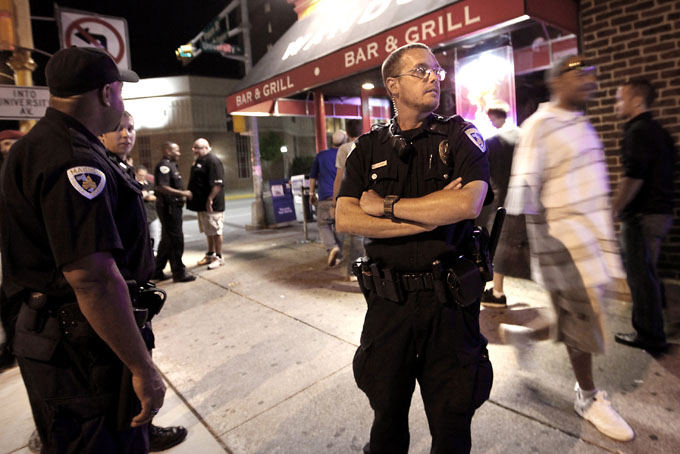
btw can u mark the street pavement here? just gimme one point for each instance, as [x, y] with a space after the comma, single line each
[257, 356]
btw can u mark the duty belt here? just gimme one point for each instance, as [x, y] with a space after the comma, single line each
[412, 282]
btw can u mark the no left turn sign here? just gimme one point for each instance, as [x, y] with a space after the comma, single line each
[85, 29]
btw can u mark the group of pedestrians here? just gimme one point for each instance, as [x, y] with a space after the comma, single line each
[205, 196]
[552, 178]
[411, 189]
[559, 210]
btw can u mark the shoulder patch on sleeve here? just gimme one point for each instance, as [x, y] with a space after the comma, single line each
[476, 138]
[88, 181]
[164, 169]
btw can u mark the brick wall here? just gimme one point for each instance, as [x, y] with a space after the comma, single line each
[636, 38]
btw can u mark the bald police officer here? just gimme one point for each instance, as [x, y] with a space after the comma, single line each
[73, 232]
[412, 188]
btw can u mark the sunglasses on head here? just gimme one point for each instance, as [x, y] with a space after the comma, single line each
[578, 65]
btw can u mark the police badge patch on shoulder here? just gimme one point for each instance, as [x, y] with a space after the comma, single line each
[88, 181]
[164, 169]
[476, 138]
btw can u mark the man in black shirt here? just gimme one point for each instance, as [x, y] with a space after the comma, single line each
[73, 232]
[170, 195]
[644, 203]
[206, 183]
[412, 189]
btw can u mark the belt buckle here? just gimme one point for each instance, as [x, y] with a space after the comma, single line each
[412, 282]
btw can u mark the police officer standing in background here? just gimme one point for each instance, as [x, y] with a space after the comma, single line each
[170, 196]
[412, 188]
[73, 231]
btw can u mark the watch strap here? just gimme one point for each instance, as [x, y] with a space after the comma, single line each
[388, 205]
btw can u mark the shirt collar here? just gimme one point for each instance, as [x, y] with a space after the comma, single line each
[644, 116]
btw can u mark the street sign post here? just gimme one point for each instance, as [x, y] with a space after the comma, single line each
[21, 103]
[86, 29]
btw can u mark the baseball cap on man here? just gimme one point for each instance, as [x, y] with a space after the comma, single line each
[11, 134]
[76, 70]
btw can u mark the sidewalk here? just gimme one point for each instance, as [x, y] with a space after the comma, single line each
[257, 355]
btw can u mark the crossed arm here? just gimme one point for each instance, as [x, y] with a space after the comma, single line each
[451, 204]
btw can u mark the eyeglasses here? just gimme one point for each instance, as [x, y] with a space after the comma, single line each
[580, 66]
[423, 72]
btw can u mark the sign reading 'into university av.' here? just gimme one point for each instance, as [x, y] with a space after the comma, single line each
[21, 103]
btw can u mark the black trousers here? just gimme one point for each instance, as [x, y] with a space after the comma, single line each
[9, 310]
[641, 238]
[75, 393]
[438, 345]
[171, 246]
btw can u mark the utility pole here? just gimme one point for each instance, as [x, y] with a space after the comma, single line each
[19, 39]
[257, 209]
[194, 48]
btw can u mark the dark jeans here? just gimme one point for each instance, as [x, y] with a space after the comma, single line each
[442, 348]
[171, 246]
[641, 237]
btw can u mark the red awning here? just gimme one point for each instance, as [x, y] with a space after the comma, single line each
[349, 37]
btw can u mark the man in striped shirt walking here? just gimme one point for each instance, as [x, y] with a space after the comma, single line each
[559, 181]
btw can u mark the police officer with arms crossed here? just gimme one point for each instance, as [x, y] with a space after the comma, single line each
[412, 188]
[73, 232]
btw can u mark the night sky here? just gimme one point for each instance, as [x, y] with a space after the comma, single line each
[155, 29]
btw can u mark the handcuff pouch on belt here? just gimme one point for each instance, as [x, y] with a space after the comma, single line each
[381, 280]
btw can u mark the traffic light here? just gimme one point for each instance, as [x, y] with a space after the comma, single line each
[185, 52]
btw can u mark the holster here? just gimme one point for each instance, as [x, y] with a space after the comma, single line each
[386, 283]
[37, 330]
[362, 270]
[147, 297]
[464, 281]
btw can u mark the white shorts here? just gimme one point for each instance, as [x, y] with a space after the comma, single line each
[211, 223]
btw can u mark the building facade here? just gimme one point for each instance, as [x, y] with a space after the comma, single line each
[628, 39]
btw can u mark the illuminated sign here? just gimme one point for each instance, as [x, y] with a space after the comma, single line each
[453, 21]
[485, 81]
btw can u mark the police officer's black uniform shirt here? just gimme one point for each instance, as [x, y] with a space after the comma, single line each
[167, 174]
[124, 166]
[206, 173]
[62, 199]
[443, 149]
[648, 154]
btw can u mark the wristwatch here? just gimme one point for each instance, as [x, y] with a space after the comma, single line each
[388, 206]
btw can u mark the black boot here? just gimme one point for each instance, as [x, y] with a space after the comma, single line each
[162, 438]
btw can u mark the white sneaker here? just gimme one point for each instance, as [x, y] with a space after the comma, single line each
[216, 263]
[520, 338]
[599, 412]
[333, 256]
[207, 259]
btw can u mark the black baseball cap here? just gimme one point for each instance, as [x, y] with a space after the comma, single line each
[76, 70]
